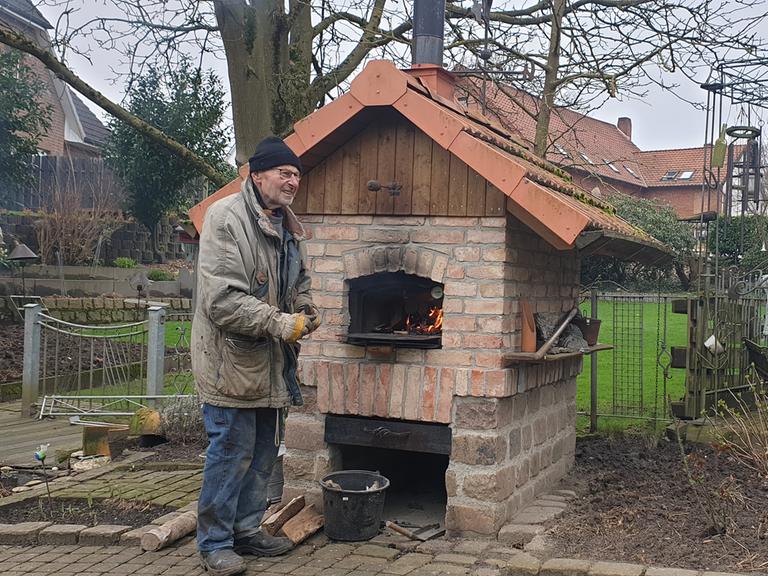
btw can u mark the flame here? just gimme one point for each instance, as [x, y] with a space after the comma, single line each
[432, 324]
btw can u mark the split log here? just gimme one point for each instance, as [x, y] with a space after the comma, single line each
[161, 536]
[303, 525]
[273, 524]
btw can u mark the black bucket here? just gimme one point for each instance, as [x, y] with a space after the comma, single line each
[351, 512]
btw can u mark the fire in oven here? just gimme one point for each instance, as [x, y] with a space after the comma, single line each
[395, 309]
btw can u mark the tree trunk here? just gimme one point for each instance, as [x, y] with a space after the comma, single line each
[550, 79]
[685, 279]
[268, 75]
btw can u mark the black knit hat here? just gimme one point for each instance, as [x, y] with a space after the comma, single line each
[271, 152]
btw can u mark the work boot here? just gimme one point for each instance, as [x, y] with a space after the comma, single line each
[222, 562]
[262, 544]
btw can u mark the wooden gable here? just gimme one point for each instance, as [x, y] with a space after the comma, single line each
[391, 149]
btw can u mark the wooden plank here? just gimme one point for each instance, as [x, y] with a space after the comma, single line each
[316, 189]
[273, 524]
[476, 185]
[300, 201]
[304, 524]
[457, 187]
[438, 198]
[495, 201]
[334, 167]
[385, 172]
[422, 173]
[404, 167]
[369, 153]
[350, 182]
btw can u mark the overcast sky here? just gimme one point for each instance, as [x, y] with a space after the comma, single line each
[660, 121]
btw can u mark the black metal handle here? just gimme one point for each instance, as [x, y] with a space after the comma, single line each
[382, 432]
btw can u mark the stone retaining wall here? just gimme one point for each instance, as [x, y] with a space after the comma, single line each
[100, 310]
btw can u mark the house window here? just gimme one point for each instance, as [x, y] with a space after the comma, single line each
[670, 175]
[628, 169]
[562, 151]
[587, 158]
[686, 175]
[610, 165]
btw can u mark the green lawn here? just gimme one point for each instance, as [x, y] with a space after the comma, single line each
[631, 391]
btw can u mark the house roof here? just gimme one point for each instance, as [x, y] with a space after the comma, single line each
[673, 168]
[538, 193]
[576, 140]
[94, 132]
[26, 10]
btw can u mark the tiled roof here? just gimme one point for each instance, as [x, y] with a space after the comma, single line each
[95, 132]
[26, 10]
[539, 194]
[655, 164]
[570, 132]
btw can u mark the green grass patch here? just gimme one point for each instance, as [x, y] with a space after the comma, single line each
[633, 388]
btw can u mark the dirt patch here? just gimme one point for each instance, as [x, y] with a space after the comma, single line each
[636, 504]
[79, 511]
[168, 452]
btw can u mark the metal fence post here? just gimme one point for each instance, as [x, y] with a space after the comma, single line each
[593, 371]
[156, 350]
[30, 387]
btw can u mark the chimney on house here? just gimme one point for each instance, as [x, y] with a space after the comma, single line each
[427, 48]
[624, 124]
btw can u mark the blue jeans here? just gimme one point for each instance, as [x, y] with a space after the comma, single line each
[238, 463]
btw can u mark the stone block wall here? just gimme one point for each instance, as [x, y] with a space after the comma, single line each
[103, 310]
[486, 266]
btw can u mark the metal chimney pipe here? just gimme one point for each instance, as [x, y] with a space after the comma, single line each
[427, 43]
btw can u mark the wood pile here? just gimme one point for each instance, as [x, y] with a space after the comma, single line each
[296, 520]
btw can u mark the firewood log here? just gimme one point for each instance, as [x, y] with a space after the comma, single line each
[170, 532]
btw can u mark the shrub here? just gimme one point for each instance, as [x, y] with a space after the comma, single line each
[181, 421]
[123, 262]
[157, 275]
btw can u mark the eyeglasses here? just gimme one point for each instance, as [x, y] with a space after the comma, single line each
[286, 175]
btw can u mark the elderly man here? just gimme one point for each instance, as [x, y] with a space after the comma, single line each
[253, 305]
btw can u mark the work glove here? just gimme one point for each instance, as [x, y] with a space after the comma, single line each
[313, 317]
[291, 327]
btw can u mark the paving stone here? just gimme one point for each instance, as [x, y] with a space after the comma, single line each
[570, 494]
[537, 515]
[616, 569]
[519, 534]
[439, 569]
[543, 502]
[436, 546]
[22, 534]
[565, 567]
[103, 534]
[60, 534]
[539, 545]
[520, 564]
[554, 498]
[485, 571]
[377, 551]
[475, 547]
[653, 571]
[407, 564]
[463, 559]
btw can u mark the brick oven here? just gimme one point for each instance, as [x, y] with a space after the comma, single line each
[423, 212]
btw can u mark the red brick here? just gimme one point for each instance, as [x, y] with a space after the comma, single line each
[477, 383]
[382, 390]
[449, 357]
[350, 267]
[328, 301]
[364, 263]
[459, 323]
[495, 290]
[482, 341]
[427, 409]
[463, 221]
[315, 248]
[482, 519]
[461, 387]
[451, 341]
[460, 289]
[323, 386]
[316, 283]
[489, 359]
[336, 232]
[467, 254]
[437, 236]
[399, 220]
[368, 386]
[453, 305]
[486, 272]
[398, 389]
[307, 372]
[496, 383]
[495, 307]
[351, 387]
[346, 219]
[412, 393]
[410, 258]
[338, 350]
[454, 271]
[424, 263]
[493, 222]
[333, 284]
[337, 392]
[495, 254]
[438, 267]
[445, 400]
[497, 236]
[337, 249]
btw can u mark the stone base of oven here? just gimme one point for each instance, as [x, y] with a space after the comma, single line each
[505, 452]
